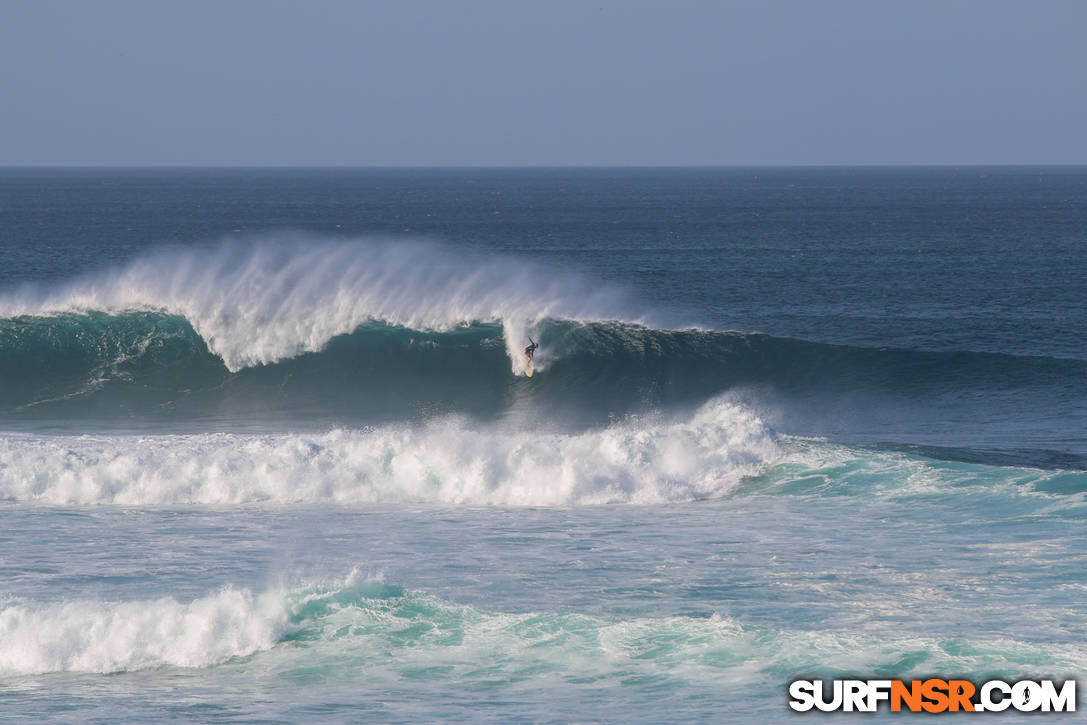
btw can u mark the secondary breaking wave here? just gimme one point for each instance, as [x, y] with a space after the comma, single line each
[722, 450]
[394, 635]
[637, 461]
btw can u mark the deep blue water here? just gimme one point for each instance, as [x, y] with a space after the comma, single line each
[267, 451]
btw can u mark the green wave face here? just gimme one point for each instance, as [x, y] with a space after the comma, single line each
[154, 365]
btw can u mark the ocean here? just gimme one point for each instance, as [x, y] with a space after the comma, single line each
[268, 452]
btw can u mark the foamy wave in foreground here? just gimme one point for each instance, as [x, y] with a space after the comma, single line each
[388, 633]
[637, 461]
[94, 636]
[257, 303]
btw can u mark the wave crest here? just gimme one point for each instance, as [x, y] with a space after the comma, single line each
[259, 302]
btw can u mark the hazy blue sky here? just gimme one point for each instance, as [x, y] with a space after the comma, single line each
[548, 82]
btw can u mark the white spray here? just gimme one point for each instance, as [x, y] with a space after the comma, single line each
[256, 303]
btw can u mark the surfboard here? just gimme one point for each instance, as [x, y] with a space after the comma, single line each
[528, 368]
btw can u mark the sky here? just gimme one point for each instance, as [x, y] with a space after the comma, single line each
[550, 82]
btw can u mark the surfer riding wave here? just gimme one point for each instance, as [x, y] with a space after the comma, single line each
[529, 351]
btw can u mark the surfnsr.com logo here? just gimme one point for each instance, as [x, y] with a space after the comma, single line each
[932, 695]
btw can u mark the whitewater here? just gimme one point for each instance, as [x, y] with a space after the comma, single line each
[443, 462]
[277, 459]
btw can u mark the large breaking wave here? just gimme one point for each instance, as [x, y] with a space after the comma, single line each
[285, 334]
[261, 302]
[155, 366]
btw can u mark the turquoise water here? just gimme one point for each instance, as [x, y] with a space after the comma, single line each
[291, 473]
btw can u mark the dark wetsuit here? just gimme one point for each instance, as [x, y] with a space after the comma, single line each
[531, 348]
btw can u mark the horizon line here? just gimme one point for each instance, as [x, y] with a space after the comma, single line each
[550, 166]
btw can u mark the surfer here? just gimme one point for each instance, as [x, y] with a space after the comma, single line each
[531, 349]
